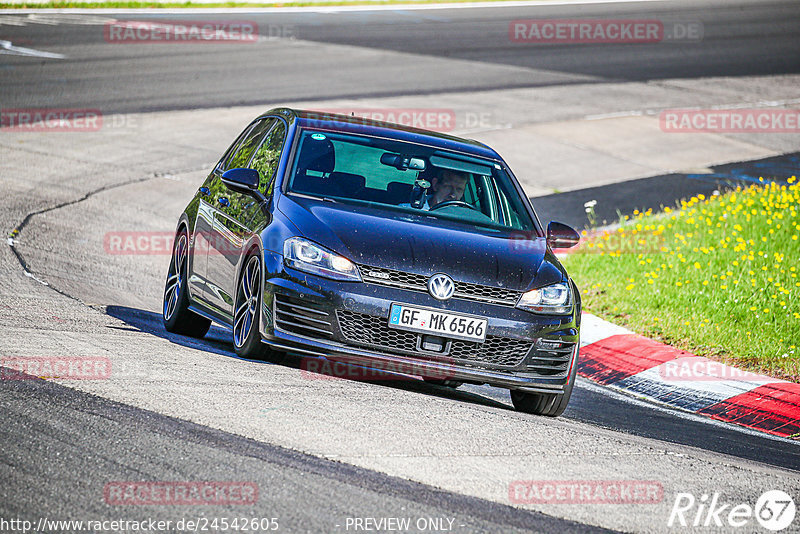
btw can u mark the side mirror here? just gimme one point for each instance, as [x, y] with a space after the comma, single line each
[241, 180]
[561, 236]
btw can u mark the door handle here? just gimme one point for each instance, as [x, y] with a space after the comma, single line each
[223, 201]
[204, 191]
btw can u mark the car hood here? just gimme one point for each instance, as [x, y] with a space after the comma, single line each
[423, 245]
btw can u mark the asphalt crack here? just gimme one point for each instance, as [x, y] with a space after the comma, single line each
[14, 234]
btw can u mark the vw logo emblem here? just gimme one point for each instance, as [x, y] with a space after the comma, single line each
[441, 286]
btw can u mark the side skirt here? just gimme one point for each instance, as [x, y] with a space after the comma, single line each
[199, 309]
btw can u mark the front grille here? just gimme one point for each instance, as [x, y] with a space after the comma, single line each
[502, 351]
[373, 332]
[302, 318]
[369, 331]
[551, 357]
[419, 282]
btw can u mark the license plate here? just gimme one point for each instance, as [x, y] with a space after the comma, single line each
[437, 322]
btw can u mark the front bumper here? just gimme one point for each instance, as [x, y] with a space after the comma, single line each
[328, 301]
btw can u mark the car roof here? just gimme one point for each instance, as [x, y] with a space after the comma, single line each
[364, 126]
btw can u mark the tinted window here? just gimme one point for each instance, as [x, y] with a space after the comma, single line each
[371, 171]
[241, 155]
[267, 156]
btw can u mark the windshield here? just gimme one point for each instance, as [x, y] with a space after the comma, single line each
[406, 177]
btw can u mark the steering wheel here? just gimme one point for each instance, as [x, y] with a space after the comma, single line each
[460, 203]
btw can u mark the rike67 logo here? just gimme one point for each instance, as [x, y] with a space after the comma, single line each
[774, 510]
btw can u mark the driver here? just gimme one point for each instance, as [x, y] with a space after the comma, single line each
[447, 186]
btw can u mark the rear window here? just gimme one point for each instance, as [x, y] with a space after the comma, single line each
[406, 177]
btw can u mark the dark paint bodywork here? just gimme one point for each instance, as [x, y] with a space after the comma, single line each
[225, 225]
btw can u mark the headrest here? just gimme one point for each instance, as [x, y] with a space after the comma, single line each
[318, 155]
[399, 191]
[348, 182]
[399, 188]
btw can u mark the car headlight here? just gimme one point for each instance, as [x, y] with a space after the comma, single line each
[555, 298]
[306, 256]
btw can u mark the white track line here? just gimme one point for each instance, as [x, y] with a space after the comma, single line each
[6, 47]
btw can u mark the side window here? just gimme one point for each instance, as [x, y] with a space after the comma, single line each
[474, 195]
[222, 165]
[510, 217]
[244, 151]
[469, 192]
[266, 159]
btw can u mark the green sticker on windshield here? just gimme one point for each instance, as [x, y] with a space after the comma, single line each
[318, 137]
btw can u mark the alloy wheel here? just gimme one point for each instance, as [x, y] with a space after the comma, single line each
[172, 291]
[246, 301]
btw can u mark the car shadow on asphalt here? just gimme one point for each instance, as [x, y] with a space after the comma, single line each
[623, 198]
[218, 341]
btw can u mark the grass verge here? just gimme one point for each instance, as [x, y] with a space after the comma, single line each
[717, 276]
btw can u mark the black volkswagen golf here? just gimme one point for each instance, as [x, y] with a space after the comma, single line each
[382, 246]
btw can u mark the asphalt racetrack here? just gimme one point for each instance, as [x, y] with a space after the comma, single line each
[326, 455]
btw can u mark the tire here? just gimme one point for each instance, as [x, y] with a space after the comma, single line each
[175, 312]
[550, 405]
[247, 314]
